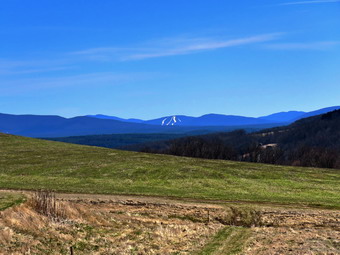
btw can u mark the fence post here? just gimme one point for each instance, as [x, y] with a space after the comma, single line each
[71, 250]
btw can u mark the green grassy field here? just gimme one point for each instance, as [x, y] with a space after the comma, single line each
[8, 199]
[27, 163]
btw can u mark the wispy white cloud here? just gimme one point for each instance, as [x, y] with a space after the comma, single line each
[152, 49]
[202, 45]
[19, 67]
[311, 2]
[172, 47]
[324, 45]
[19, 86]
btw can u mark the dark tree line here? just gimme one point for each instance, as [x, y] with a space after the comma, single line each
[313, 142]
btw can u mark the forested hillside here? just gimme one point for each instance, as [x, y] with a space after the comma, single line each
[313, 141]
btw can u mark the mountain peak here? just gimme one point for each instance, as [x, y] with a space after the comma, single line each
[171, 121]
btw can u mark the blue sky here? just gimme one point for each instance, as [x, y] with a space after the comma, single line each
[151, 58]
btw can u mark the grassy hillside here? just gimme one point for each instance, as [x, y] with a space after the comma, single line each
[27, 163]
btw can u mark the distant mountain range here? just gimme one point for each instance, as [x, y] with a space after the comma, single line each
[56, 126]
[222, 120]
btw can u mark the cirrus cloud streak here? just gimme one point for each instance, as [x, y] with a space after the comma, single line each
[311, 2]
[172, 47]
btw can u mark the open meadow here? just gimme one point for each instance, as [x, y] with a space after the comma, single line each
[118, 202]
[27, 163]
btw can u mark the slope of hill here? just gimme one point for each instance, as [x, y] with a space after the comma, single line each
[28, 163]
[318, 131]
[284, 117]
[317, 112]
[313, 141]
[105, 117]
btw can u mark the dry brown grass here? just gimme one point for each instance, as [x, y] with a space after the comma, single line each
[125, 226]
[245, 217]
[307, 232]
[93, 227]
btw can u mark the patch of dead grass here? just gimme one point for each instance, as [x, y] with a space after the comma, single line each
[307, 232]
[105, 228]
[95, 226]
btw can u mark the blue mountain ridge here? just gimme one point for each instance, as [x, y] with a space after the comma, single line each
[224, 120]
[56, 126]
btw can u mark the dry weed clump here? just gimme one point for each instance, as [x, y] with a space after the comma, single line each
[242, 217]
[45, 203]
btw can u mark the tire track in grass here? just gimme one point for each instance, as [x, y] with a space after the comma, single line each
[228, 241]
